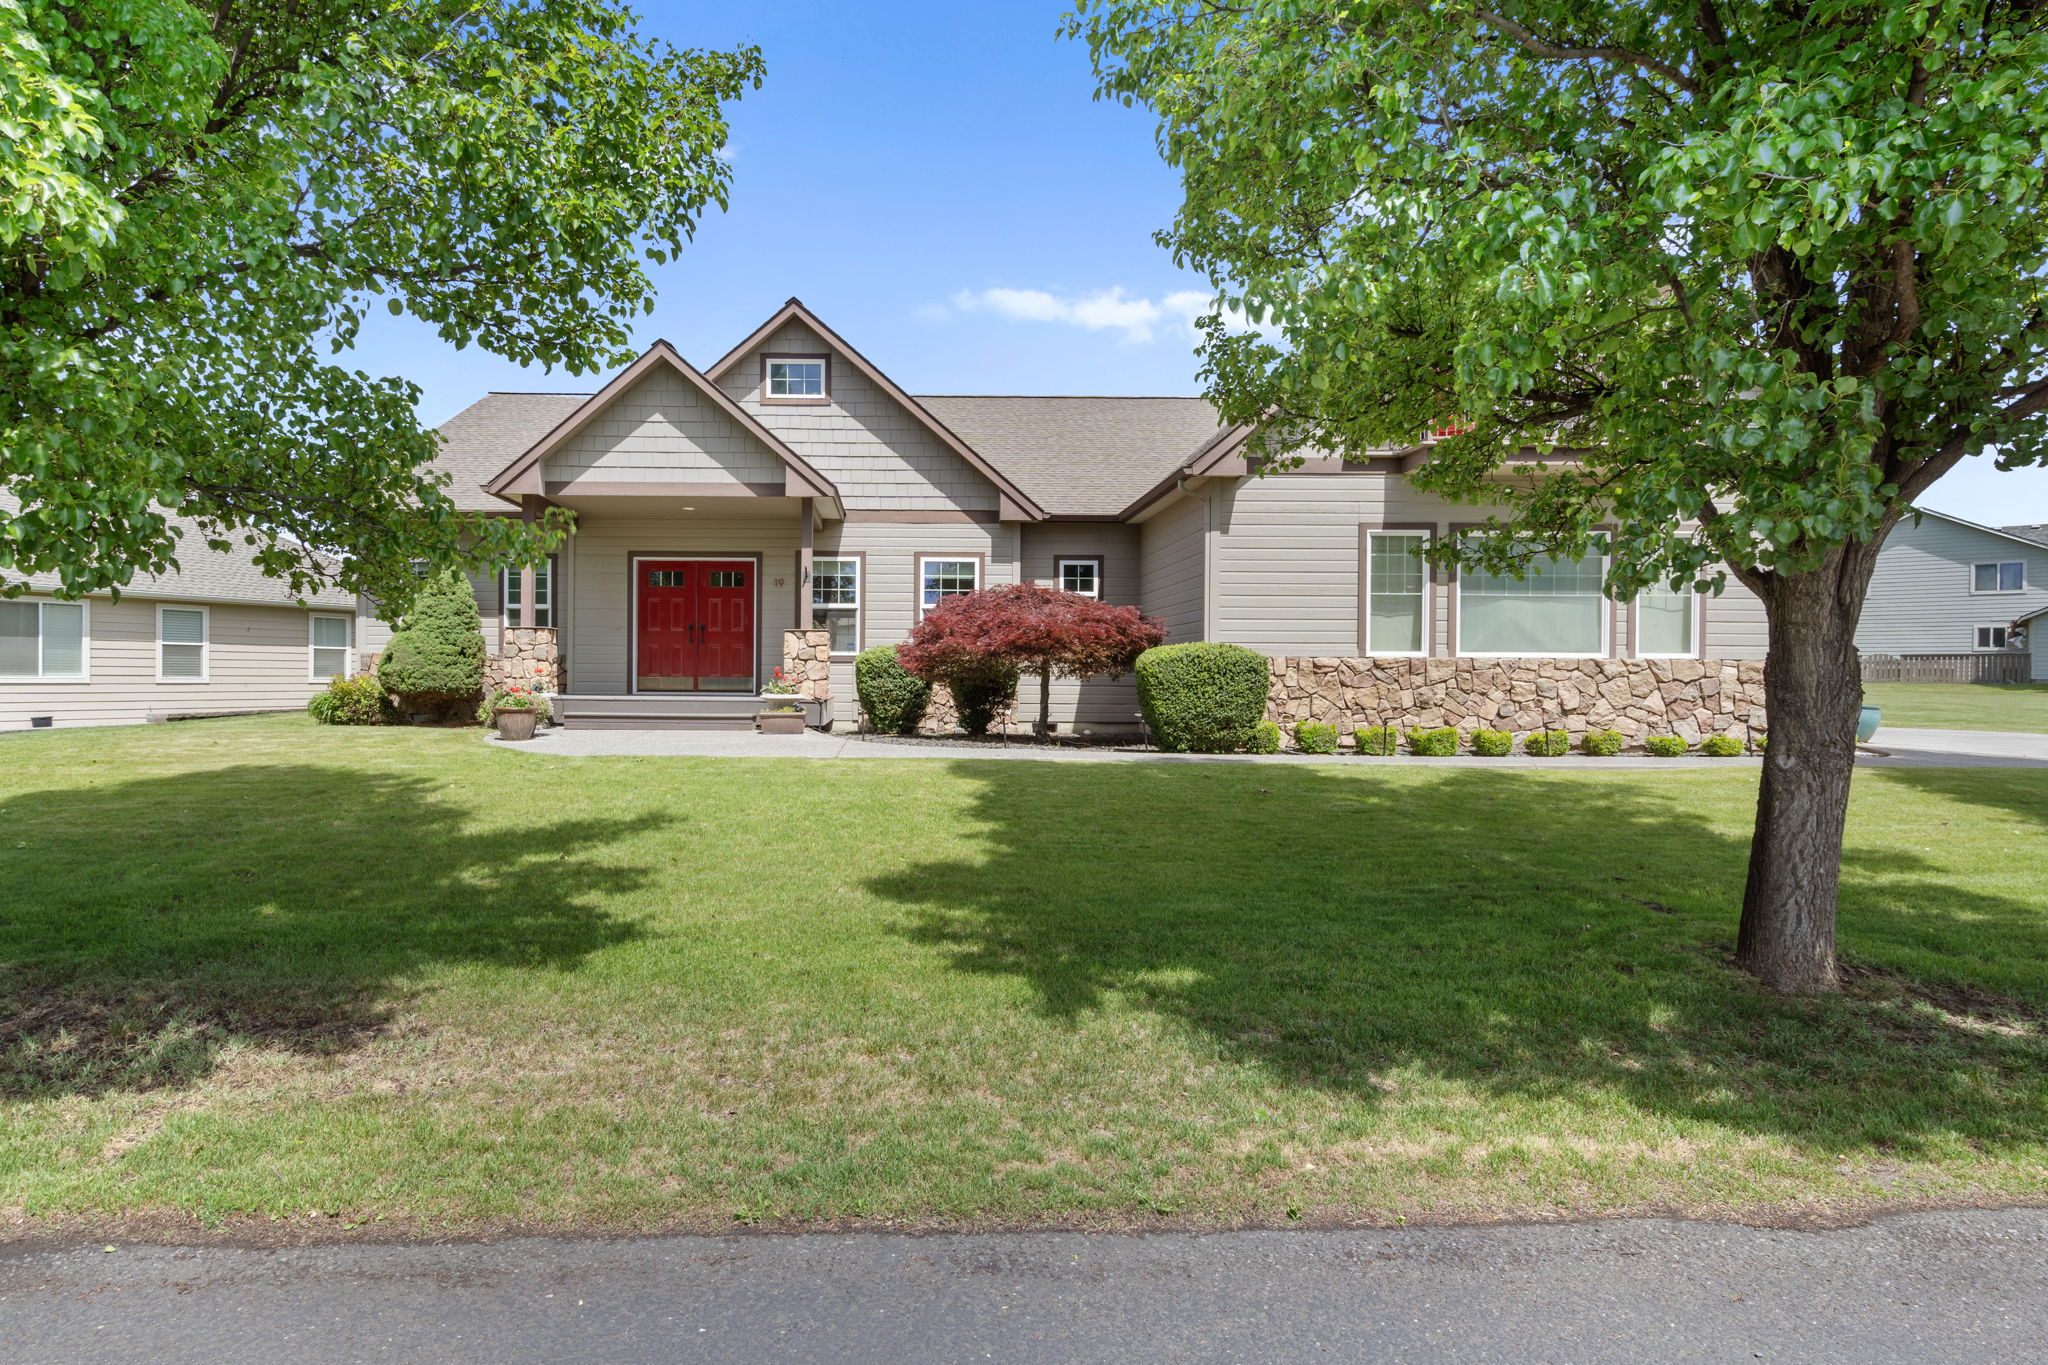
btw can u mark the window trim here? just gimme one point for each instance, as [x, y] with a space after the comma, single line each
[860, 596]
[348, 647]
[205, 643]
[1059, 574]
[506, 577]
[1457, 614]
[799, 400]
[1366, 531]
[1995, 565]
[923, 557]
[2005, 626]
[84, 674]
[1699, 630]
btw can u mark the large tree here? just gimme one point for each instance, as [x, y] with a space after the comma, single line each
[1766, 270]
[200, 200]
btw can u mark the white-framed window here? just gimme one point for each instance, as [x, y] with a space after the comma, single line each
[1993, 637]
[43, 641]
[937, 578]
[835, 602]
[1396, 593]
[1555, 610]
[2008, 576]
[182, 635]
[1083, 576]
[794, 377]
[1667, 624]
[327, 639]
[543, 594]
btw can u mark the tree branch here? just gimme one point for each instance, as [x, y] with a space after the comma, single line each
[1537, 47]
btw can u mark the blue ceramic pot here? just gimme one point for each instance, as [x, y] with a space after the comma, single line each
[1866, 724]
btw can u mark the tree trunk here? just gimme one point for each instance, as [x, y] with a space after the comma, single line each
[1044, 724]
[1813, 687]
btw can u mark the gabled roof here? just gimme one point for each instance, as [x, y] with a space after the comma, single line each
[476, 442]
[2037, 534]
[2012, 533]
[1078, 456]
[1222, 453]
[513, 480]
[1023, 504]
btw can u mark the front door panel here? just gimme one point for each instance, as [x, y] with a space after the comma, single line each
[694, 625]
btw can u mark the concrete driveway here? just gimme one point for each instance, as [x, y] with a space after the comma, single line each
[1950, 1287]
[1958, 748]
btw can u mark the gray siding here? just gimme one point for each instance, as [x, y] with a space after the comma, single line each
[1094, 701]
[663, 430]
[1921, 599]
[1173, 551]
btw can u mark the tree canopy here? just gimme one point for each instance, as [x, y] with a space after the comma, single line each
[200, 201]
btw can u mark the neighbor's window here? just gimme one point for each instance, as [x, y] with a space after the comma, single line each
[835, 602]
[1666, 623]
[1396, 592]
[543, 595]
[1555, 609]
[181, 644]
[2010, 576]
[1083, 576]
[42, 640]
[803, 378]
[945, 578]
[1993, 637]
[330, 646]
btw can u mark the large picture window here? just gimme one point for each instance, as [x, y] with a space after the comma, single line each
[835, 602]
[42, 641]
[181, 644]
[1667, 624]
[939, 578]
[1396, 592]
[1555, 609]
[543, 594]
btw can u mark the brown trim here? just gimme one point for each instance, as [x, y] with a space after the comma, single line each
[917, 575]
[601, 488]
[786, 401]
[1365, 533]
[1101, 563]
[1699, 629]
[514, 478]
[860, 598]
[526, 597]
[1015, 498]
[633, 615]
[937, 516]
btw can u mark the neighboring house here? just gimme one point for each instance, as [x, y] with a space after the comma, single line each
[216, 638]
[1945, 587]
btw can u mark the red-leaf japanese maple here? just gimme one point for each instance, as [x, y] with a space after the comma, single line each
[1038, 630]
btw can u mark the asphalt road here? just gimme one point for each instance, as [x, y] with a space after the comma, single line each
[1949, 1287]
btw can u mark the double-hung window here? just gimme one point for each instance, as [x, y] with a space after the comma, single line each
[938, 578]
[1083, 576]
[543, 594]
[835, 602]
[1396, 592]
[182, 644]
[1667, 624]
[42, 641]
[2010, 576]
[328, 640]
[1555, 608]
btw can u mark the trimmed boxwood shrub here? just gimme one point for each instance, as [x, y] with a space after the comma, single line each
[1265, 738]
[981, 697]
[1315, 737]
[1758, 742]
[1377, 739]
[1546, 743]
[436, 658]
[352, 701]
[1665, 746]
[1439, 743]
[1721, 746]
[1601, 743]
[894, 700]
[1202, 698]
[1492, 743]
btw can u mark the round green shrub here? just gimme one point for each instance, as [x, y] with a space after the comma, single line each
[894, 700]
[1492, 743]
[982, 697]
[320, 706]
[1439, 743]
[1721, 746]
[1203, 698]
[1265, 738]
[1315, 737]
[1546, 743]
[1377, 739]
[436, 657]
[1665, 746]
[359, 700]
[1601, 743]
[1759, 742]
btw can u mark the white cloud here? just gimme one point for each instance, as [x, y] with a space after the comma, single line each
[1140, 320]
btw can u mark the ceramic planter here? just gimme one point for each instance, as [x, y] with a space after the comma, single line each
[1866, 724]
[516, 724]
[780, 722]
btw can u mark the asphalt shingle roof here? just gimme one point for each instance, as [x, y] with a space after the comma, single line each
[2038, 534]
[491, 433]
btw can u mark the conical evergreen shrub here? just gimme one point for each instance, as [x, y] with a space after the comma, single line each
[436, 658]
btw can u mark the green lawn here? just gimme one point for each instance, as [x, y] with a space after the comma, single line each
[258, 968]
[1963, 706]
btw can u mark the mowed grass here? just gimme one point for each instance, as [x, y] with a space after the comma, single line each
[258, 968]
[1962, 706]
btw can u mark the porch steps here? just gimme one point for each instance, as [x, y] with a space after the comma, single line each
[696, 711]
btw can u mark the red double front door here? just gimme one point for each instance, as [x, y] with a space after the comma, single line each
[694, 625]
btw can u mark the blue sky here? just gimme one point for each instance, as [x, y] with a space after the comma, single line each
[935, 180]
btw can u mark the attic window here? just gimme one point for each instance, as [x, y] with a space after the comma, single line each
[795, 379]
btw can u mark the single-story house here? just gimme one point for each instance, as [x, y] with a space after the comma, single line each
[1951, 598]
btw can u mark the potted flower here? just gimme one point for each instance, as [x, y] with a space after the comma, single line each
[786, 716]
[515, 710]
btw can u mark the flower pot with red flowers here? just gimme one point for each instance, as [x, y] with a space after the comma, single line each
[786, 715]
[515, 710]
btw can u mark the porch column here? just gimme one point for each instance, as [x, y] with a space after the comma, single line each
[803, 569]
[529, 512]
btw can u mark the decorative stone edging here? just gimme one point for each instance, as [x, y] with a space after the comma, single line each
[1691, 698]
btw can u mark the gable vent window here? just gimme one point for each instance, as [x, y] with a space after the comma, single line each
[795, 379]
[181, 644]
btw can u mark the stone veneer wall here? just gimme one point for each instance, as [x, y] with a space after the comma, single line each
[528, 655]
[1691, 698]
[807, 662]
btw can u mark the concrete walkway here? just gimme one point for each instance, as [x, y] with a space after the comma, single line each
[1909, 748]
[1951, 1287]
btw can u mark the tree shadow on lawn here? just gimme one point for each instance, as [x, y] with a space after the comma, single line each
[147, 925]
[1531, 935]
